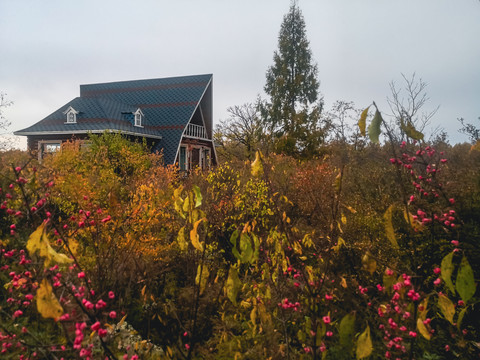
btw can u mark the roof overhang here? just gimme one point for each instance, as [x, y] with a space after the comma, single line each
[74, 132]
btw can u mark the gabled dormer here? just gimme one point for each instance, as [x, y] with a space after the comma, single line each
[71, 114]
[138, 118]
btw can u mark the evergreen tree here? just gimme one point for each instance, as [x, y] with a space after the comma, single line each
[292, 112]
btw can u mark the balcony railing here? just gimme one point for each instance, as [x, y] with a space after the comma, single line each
[196, 131]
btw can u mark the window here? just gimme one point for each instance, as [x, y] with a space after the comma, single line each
[49, 147]
[71, 115]
[183, 158]
[138, 118]
[206, 159]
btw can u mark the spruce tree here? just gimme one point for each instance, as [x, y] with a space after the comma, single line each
[292, 112]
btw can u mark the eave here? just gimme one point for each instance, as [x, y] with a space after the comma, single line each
[74, 132]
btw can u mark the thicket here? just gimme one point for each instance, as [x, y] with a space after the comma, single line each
[366, 252]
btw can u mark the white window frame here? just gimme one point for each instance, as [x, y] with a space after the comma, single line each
[69, 112]
[138, 118]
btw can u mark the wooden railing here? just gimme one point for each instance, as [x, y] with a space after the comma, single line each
[196, 131]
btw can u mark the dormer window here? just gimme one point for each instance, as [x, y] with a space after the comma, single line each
[71, 114]
[138, 118]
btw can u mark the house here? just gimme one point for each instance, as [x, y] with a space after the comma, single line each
[174, 115]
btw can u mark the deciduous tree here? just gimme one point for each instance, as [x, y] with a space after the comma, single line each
[242, 132]
[4, 123]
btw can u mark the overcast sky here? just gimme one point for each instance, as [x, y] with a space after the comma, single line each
[49, 47]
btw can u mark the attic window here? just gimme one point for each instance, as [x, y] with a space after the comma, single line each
[71, 114]
[138, 118]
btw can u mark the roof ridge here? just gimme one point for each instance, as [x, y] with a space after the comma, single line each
[147, 79]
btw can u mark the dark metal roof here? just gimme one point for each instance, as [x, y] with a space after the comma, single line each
[168, 105]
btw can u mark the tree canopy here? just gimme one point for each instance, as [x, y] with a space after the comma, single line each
[292, 111]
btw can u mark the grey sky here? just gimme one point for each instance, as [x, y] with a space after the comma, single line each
[48, 48]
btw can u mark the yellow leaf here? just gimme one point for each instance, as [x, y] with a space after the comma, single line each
[364, 344]
[447, 307]
[47, 304]
[338, 181]
[422, 314]
[253, 318]
[181, 239]
[369, 263]
[257, 166]
[120, 323]
[35, 240]
[38, 241]
[410, 130]
[177, 192]
[187, 202]
[422, 329]
[476, 146]
[194, 238]
[340, 243]
[390, 232]
[362, 123]
[202, 277]
[409, 219]
[352, 210]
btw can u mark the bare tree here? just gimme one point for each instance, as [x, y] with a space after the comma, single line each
[471, 130]
[242, 132]
[407, 105]
[4, 123]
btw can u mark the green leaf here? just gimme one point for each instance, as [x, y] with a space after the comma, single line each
[447, 307]
[347, 331]
[232, 285]
[388, 282]
[256, 244]
[246, 248]
[233, 240]
[301, 336]
[390, 232]
[374, 128]
[198, 196]
[364, 344]
[202, 277]
[460, 317]
[465, 283]
[362, 123]
[447, 270]
[321, 330]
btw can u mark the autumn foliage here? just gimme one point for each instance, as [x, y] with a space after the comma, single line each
[366, 252]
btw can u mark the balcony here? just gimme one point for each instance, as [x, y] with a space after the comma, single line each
[196, 131]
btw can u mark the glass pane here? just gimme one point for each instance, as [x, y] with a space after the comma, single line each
[182, 158]
[50, 148]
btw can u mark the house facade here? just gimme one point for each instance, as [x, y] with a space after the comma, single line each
[174, 115]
